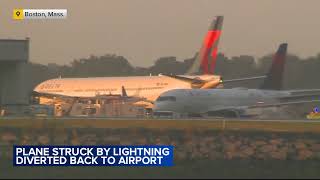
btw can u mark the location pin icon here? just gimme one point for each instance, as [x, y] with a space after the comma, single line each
[18, 13]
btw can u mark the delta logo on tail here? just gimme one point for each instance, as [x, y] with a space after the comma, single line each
[206, 59]
[209, 48]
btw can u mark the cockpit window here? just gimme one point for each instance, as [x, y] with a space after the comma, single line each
[167, 98]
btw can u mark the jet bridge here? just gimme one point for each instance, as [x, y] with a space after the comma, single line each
[14, 56]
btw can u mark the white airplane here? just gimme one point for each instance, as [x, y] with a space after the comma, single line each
[235, 102]
[148, 87]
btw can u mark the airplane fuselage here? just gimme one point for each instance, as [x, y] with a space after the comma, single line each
[149, 87]
[203, 101]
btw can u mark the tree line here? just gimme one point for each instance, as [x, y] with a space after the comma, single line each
[299, 73]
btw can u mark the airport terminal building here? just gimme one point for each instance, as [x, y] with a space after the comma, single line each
[14, 56]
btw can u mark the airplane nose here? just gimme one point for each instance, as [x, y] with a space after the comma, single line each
[163, 106]
[160, 106]
[165, 103]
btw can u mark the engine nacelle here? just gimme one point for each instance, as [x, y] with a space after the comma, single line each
[206, 83]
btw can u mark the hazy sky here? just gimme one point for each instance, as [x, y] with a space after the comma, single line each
[144, 30]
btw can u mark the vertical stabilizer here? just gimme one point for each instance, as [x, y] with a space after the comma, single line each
[124, 92]
[206, 58]
[274, 80]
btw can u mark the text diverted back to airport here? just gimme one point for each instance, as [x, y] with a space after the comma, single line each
[93, 156]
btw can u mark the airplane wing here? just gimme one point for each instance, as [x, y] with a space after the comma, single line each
[304, 91]
[207, 84]
[185, 79]
[301, 95]
[295, 97]
[124, 95]
[232, 111]
[273, 80]
[282, 104]
[289, 100]
[59, 96]
[52, 95]
[225, 111]
[224, 108]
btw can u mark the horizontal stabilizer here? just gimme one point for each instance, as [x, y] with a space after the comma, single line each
[243, 79]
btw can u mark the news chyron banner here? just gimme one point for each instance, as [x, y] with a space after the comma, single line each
[158, 155]
[21, 14]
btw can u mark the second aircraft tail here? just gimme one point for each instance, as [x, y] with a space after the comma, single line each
[274, 78]
[206, 58]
